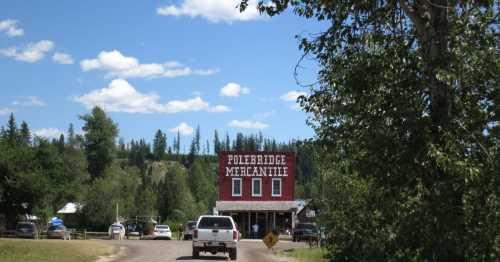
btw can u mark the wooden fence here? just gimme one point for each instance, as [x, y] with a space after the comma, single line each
[75, 234]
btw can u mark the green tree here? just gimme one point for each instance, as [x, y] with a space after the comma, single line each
[407, 98]
[159, 145]
[100, 135]
[12, 132]
[25, 134]
[116, 187]
[175, 201]
[217, 143]
[200, 184]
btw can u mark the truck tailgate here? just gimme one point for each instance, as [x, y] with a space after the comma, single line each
[218, 235]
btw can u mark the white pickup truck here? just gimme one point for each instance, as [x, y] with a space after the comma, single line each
[215, 234]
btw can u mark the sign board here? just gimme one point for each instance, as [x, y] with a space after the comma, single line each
[238, 164]
[243, 167]
[270, 240]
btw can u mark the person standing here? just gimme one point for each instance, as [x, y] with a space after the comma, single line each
[255, 229]
[179, 232]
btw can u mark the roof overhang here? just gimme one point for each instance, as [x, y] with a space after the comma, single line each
[280, 206]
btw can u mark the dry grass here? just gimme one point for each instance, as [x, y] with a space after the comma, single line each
[13, 250]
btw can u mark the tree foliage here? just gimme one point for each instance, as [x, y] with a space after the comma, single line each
[100, 135]
[407, 105]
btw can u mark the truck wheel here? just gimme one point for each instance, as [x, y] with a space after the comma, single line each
[196, 252]
[232, 254]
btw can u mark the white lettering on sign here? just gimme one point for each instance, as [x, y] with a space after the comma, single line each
[256, 165]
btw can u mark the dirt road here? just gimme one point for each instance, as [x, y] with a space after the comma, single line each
[172, 250]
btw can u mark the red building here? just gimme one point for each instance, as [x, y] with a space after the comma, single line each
[257, 188]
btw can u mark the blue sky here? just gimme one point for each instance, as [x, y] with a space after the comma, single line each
[153, 65]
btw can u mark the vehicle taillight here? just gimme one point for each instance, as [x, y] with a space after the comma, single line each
[235, 235]
[195, 233]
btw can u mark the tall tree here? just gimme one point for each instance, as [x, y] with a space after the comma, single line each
[407, 103]
[71, 135]
[100, 135]
[25, 134]
[177, 144]
[197, 138]
[159, 145]
[12, 131]
[217, 144]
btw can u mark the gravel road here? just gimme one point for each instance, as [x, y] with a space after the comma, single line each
[173, 250]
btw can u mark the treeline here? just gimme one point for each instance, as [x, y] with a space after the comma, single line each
[39, 176]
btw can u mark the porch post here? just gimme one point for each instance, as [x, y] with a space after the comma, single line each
[249, 234]
[267, 222]
[274, 220]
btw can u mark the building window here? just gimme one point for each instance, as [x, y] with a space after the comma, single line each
[256, 187]
[276, 190]
[236, 187]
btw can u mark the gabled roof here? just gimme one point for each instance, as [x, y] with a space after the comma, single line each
[70, 208]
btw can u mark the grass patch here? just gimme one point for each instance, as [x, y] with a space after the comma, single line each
[12, 250]
[305, 254]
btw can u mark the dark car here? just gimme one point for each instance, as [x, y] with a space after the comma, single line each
[305, 231]
[27, 230]
[58, 232]
[134, 231]
[188, 230]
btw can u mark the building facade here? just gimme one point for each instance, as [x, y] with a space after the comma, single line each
[257, 190]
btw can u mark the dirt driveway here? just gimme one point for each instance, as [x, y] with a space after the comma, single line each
[173, 250]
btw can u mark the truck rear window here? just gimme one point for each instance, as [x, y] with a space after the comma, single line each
[215, 222]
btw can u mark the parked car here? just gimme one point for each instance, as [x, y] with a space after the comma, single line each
[116, 231]
[58, 232]
[305, 231]
[162, 232]
[215, 234]
[134, 230]
[26, 230]
[188, 230]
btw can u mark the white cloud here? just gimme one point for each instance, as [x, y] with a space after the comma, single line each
[234, 90]
[28, 101]
[6, 111]
[48, 132]
[10, 27]
[292, 96]
[118, 65]
[213, 10]
[183, 128]
[31, 53]
[247, 124]
[62, 58]
[120, 96]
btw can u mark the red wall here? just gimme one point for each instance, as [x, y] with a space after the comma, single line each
[225, 181]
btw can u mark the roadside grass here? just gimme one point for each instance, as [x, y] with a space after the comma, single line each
[304, 254]
[13, 250]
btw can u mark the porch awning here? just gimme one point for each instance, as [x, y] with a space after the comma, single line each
[256, 206]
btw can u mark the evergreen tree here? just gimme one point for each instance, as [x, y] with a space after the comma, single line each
[25, 134]
[100, 135]
[197, 138]
[159, 145]
[71, 135]
[60, 143]
[12, 132]
[239, 142]
[228, 143]
[217, 144]
[178, 144]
